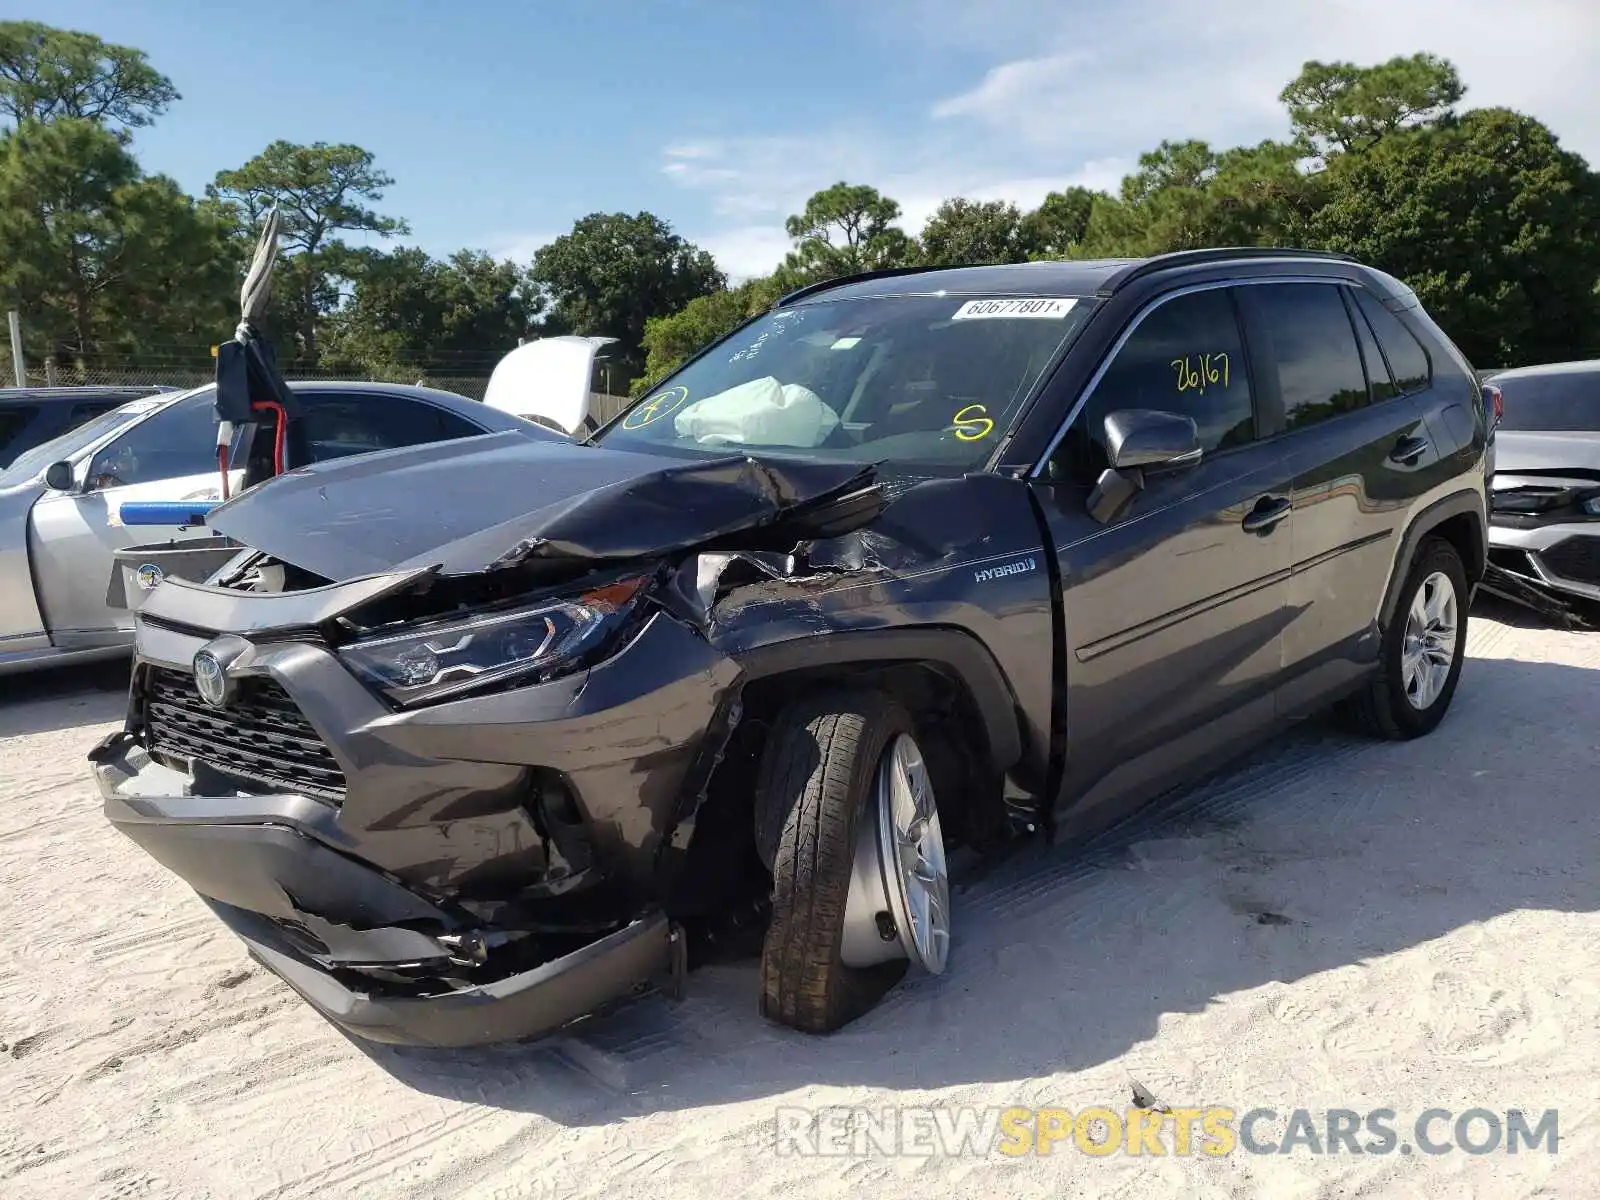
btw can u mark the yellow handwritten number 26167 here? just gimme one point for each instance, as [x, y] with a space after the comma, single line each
[1212, 368]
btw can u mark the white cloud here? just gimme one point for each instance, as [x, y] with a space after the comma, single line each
[1157, 71]
[1064, 94]
[746, 250]
[519, 247]
[756, 182]
[1012, 88]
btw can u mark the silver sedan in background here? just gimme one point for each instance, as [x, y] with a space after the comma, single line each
[60, 502]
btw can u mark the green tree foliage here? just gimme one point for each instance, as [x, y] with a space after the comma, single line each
[48, 73]
[1058, 225]
[1493, 224]
[669, 340]
[321, 191]
[1342, 107]
[845, 229]
[100, 257]
[971, 232]
[614, 272]
[457, 315]
[1186, 195]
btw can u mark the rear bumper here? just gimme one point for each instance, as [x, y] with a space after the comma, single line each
[379, 959]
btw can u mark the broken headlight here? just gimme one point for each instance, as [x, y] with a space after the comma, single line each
[444, 658]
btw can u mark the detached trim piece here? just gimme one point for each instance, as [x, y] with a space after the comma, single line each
[510, 1009]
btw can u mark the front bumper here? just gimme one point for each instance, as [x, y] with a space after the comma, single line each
[482, 869]
[1562, 557]
[325, 922]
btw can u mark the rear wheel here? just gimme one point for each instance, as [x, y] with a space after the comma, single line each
[1423, 649]
[847, 820]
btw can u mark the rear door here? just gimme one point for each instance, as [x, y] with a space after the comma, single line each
[1362, 453]
[1174, 609]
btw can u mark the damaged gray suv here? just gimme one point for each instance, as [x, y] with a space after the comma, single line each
[470, 739]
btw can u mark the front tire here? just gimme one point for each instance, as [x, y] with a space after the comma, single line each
[1423, 650]
[847, 912]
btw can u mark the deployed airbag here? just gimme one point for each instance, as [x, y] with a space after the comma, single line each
[762, 412]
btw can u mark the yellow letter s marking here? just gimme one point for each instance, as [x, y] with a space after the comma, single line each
[972, 428]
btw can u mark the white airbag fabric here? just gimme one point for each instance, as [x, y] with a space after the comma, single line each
[762, 412]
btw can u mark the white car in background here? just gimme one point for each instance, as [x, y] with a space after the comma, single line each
[60, 502]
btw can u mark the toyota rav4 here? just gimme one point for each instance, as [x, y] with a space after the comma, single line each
[472, 738]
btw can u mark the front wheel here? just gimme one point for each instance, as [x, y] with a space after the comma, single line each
[847, 820]
[1423, 649]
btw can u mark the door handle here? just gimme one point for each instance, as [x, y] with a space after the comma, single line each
[1407, 450]
[1269, 510]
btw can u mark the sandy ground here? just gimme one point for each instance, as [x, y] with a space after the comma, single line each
[1335, 924]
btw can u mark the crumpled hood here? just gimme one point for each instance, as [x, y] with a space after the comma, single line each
[469, 505]
[1517, 452]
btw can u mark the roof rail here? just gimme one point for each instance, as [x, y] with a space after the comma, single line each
[812, 289]
[1192, 258]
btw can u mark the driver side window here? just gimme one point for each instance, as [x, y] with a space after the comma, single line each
[179, 440]
[1186, 356]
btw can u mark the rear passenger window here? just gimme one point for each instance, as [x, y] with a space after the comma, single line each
[1185, 357]
[1379, 381]
[1312, 345]
[1408, 361]
[336, 426]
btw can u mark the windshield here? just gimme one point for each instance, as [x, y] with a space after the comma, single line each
[1557, 402]
[928, 381]
[31, 463]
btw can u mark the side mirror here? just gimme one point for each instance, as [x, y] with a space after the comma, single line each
[1141, 438]
[58, 477]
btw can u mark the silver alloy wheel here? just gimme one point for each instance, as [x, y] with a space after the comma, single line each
[899, 884]
[1429, 649]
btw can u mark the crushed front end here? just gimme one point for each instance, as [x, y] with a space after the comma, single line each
[429, 852]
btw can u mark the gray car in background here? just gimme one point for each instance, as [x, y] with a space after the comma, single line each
[33, 415]
[1545, 507]
[60, 502]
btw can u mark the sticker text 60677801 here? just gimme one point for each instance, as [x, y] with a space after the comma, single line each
[1048, 308]
[1195, 371]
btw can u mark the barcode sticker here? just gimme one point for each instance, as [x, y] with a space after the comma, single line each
[1049, 308]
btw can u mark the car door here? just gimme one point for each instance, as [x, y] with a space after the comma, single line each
[1361, 452]
[337, 424]
[72, 536]
[1174, 609]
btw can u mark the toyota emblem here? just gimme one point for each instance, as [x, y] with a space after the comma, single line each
[210, 679]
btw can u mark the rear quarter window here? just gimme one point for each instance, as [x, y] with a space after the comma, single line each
[1409, 363]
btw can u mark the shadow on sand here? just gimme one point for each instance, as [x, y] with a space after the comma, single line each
[63, 697]
[1322, 850]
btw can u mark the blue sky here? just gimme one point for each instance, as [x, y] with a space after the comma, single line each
[503, 122]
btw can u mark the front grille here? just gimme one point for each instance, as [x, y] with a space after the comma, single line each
[1576, 558]
[261, 736]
